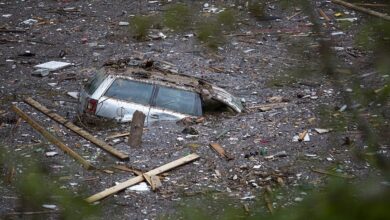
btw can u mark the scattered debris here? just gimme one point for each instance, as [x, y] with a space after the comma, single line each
[53, 65]
[30, 22]
[190, 130]
[278, 154]
[361, 9]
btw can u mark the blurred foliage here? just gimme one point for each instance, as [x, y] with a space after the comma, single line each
[140, 26]
[209, 32]
[178, 17]
[257, 8]
[227, 19]
[31, 182]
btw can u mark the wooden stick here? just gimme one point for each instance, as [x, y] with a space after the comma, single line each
[52, 138]
[322, 13]
[372, 5]
[140, 178]
[361, 9]
[56, 117]
[267, 107]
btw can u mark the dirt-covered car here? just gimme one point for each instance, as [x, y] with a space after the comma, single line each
[160, 95]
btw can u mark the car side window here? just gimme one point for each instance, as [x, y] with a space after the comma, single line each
[182, 101]
[130, 91]
[93, 84]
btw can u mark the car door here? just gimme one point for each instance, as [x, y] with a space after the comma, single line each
[123, 97]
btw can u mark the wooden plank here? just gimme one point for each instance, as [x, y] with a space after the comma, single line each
[218, 148]
[138, 179]
[136, 130]
[56, 117]
[52, 138]
[361, 9]
[153, 181]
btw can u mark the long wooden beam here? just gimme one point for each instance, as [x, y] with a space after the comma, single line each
[52, 138]
[140, 178]
[361, 9]
[56, 117]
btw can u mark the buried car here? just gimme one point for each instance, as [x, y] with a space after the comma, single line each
[160, 95]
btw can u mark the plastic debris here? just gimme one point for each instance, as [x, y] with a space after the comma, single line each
[49, 206]
[322, 130]
[51, 153]
[123, 23]
[30, 22]
[142, 187]
[40, 72]
[53, 65]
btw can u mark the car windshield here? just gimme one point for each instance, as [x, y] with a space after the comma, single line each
[179, 100]
[92, 85]
[130, 91]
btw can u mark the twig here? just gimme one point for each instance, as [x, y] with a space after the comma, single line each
[289, 18]
[332, 174]
[361, 9]
[33, 213]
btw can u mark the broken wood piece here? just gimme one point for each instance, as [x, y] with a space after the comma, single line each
[332, 174]
[127, 169]
[136, 130]
[267, 199]
[56, 117]
[118, 135]
[361, 9]
[153, 181]
[322, 13]
[52, 138]
[302, 135]
[267, 107]
[218, 148]
[138, 179]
